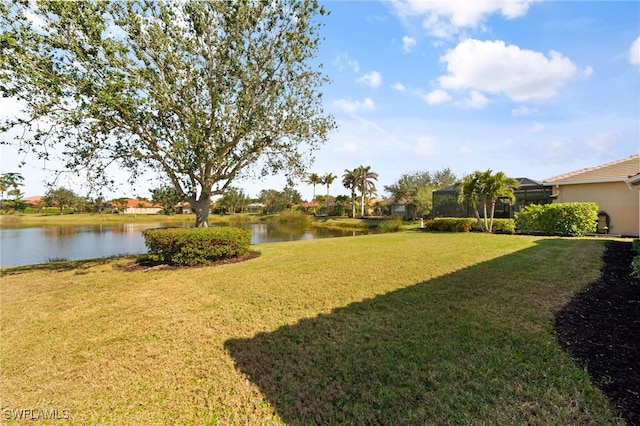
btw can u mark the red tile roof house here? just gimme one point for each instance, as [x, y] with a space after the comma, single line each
[134, 206]
[610, 186]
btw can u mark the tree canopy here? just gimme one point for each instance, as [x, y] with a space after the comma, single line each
[415, 189]
[204, 93]
[484, 189]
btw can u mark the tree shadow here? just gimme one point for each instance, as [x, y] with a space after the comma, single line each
[59, 266]
[471, 347]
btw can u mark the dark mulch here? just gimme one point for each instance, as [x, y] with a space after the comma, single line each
[600, 329]
[145, 264]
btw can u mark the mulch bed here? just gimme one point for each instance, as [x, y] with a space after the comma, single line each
[600, 329]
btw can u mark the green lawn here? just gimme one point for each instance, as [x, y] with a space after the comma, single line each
[404, 328]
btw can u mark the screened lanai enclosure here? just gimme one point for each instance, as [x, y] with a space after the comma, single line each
[445, 200]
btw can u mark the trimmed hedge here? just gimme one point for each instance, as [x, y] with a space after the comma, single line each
[468, 224]
[196, 246]
[564, 219]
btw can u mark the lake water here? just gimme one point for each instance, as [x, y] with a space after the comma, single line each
[28, 246]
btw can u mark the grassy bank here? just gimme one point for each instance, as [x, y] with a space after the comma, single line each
[83, 219]
[403, 328]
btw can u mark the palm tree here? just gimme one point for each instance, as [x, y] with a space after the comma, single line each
[364, 182]
[328, 180]
[314, 179]
[350, 181]
[485, 188]
[470, 190]
[498, 186]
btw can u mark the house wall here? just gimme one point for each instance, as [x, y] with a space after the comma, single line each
[142, 210]
[615, 198]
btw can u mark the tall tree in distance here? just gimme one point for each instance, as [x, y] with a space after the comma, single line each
[202, 92]
[365, 183]
[314, 179]
[415, 190]
[350, 181]
[62, 198]
[328, 179]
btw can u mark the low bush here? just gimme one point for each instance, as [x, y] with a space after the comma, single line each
[391, 225]
[468, 224]
[503, 226]
[293, 218]
[450, 224]
[564, 219]
[196, 246]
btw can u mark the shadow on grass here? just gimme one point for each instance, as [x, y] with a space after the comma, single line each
[61, 265]
[472, 347]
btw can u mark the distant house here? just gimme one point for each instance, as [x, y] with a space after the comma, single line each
[133, 206]
[255, 207]
[607, 185]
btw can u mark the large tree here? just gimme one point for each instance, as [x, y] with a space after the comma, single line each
[350, 181]
[314, 179]
[365, 183]
[204, 92]
[414, 190]
[62, 198]
[327, 179]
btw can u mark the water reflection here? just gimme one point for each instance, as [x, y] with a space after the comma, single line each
[26, 246]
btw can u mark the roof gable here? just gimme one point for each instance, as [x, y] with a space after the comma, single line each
[610, 172]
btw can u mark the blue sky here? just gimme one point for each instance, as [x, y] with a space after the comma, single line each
[534, 89]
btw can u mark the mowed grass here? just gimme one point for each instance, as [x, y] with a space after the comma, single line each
[403, 328]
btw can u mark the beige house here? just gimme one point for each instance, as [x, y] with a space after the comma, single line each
[610, 186]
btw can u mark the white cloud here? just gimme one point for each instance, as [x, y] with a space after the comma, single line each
[522, 111]
[426, 146]
[601, 143]
[408, 43]
[372, 79]
[634, 52]
[476, 100]
[536, 127]
[398, 87]
[492, 66]
[352, 107]
[464, 150]
[343, 61]
[437, 96]
[445, 18]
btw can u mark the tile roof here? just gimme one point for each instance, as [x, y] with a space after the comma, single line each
[133, 203]
[609, 172]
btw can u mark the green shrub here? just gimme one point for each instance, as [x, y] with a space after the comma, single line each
[391, 225]
[635, 245]
[467, 224]
[450, 224]
[503, 226]
[293, 218]
[635, 267]
[565, 219]
[196, 246]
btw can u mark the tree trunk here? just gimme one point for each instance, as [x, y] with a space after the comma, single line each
[201, 209]
[353, 204]
[493, 211]
[362, 206]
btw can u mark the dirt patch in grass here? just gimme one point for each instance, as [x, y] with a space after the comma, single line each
[145, 264]
[600, 329]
